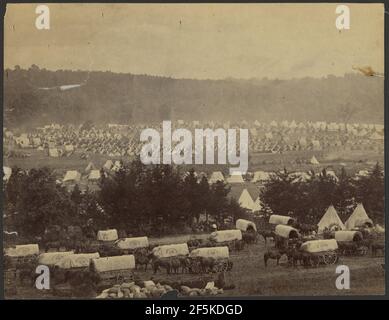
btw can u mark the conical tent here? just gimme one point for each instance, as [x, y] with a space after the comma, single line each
[90, 167]
[358, 217]
[216, 176]
[314, 160]
[245, 200]
[257, 205]
[330, 218]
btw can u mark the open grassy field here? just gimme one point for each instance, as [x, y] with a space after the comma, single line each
[352, 160]
[251, 278]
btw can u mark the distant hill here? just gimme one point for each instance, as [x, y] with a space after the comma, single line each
[127, 98]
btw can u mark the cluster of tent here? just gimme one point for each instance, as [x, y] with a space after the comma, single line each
[274, 137]
[331, 219]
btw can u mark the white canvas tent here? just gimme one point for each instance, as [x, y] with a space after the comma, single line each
[235, 178]
[53, 152]
[257, 205]
[260, 176]
[330, 218]
[215, 177]
[108, 165]
[72, 176]
[314, 160]
[245, 200]
[94, 175]
[90, 167]
[358, 218]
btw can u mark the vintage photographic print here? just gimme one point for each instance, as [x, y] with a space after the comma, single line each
[193, 150]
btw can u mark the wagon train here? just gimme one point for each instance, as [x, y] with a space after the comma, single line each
[316, 252]
[212, 259]
[351, 243]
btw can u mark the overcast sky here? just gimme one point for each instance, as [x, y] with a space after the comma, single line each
[197, 40]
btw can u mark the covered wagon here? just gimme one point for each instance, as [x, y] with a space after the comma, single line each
[285, 236]
[317, 252]
[20, 254]
[50, 259]
[107, 235]
[130, 245]
[72, 264]
[278, 219]
[231, 238]
[113, 270]
[211, 259]
[245, 225]
[171, 250]
[351, 242]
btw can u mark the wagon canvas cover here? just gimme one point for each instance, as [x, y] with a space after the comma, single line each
[171, 250]
[284, 231]
[215, 252]
[77, 260]
[107, 235]
[125, 262]
[315, 246]
[22, 250]
[278, 219]
[133, 243]
[226, 235]
[52, 258]
[243, 224]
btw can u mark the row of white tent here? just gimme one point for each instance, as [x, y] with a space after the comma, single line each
[331, 218]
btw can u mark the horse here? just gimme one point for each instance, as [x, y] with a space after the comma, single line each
[250, 237]
[161, 263]
[275, 254]
[142, 259]
[266, 234]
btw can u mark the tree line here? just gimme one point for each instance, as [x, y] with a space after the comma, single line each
[159, 199]
[308, 199]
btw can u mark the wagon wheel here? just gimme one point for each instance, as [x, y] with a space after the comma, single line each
[330, 258]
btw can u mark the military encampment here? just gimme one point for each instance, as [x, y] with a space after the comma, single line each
[179, 150]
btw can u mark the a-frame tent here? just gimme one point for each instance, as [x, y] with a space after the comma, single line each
[358, 217]
[329, 219]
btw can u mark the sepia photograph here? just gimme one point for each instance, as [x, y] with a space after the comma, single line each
[158, 151]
